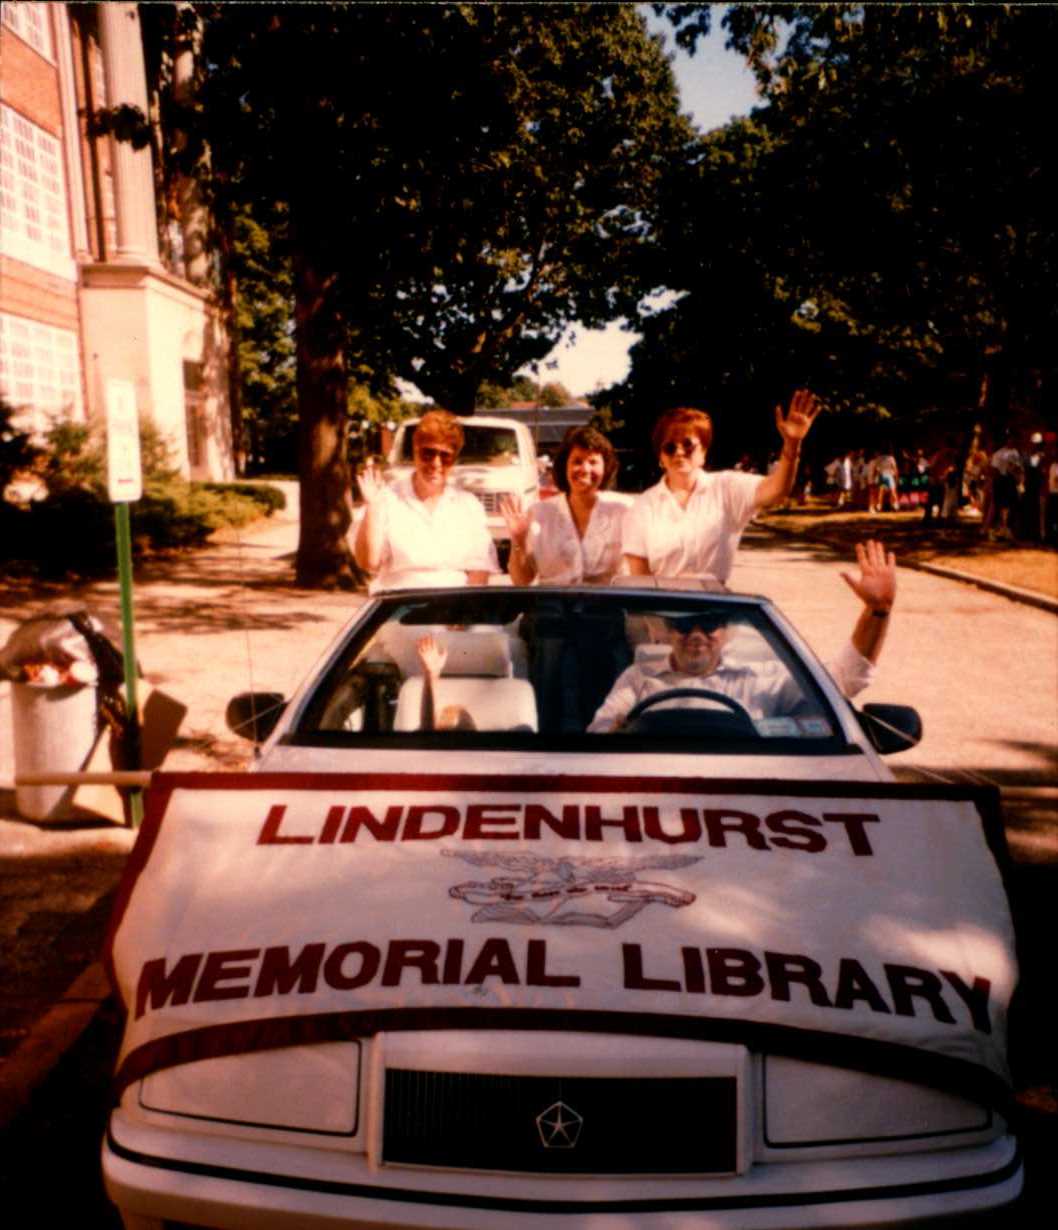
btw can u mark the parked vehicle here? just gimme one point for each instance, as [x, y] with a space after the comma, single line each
[498, 458]
[438, 962]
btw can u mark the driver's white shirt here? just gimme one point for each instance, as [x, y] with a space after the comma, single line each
[763, 690]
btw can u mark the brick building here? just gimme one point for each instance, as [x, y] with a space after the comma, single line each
[86, 294]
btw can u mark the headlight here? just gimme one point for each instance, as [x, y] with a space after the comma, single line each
[300, 1088]
[810, 1105]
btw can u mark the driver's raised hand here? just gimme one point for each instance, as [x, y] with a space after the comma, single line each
[875, 586]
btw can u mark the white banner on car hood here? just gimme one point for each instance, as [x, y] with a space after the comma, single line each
[272, 909]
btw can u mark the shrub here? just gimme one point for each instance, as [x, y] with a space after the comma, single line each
[17, 453]
[72, 530]
[271, 499]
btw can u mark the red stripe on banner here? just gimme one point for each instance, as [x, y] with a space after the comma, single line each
[157, 800]
[593, 784]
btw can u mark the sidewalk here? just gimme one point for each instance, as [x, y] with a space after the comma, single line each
[210, 624]
[959, 550]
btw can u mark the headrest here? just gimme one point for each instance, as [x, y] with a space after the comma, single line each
[477, 653]
[652, 652]
[471, 651]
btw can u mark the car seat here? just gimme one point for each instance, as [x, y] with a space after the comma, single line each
[478, 679]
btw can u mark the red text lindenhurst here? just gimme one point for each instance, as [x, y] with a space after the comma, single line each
[717, 827]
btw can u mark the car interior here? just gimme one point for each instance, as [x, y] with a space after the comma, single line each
[542, 664]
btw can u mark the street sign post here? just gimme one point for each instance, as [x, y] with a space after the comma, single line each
[125, 484]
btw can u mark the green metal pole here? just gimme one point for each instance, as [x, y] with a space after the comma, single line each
[124, 545]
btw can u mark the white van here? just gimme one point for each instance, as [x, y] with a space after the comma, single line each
[498, 458]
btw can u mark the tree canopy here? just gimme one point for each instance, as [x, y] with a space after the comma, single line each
[461, 183]
[880, 227]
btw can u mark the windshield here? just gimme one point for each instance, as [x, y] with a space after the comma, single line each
[481, 445]
[543, 665]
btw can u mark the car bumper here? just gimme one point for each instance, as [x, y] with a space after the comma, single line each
[219, 1186]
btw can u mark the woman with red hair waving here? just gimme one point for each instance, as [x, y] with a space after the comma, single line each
[689, 523]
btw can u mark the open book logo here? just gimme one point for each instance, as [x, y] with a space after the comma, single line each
[568, 892]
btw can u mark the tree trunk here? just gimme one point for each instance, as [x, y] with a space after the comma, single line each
[323, 557]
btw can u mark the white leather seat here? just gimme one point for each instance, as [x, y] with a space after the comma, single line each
[492, 703]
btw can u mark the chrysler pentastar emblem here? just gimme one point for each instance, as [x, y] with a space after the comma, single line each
[559, 1126]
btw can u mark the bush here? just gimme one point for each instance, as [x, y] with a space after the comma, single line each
[271, 499]
[71, 532]
[17, 453]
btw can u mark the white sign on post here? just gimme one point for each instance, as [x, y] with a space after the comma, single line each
[124, 474]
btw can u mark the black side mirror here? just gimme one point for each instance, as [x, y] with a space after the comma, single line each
[891, 728]
[253, 715]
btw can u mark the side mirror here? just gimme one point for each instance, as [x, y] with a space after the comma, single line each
[254, 715]
[891, 728]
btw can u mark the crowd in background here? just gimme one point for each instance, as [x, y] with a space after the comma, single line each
[1012, 487]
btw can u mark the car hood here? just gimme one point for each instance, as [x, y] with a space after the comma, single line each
[802, 917]
[858, 766]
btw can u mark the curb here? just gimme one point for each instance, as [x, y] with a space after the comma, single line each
[1012, 592]
[1025, 596]
[51, 1037]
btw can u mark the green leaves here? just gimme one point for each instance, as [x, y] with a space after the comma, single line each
[899, 180]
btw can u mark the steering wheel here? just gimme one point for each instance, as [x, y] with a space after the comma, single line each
[737, 714]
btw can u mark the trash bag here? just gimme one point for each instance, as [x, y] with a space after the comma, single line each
[72, 648]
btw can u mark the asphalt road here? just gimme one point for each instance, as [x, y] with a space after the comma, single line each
[982, 670]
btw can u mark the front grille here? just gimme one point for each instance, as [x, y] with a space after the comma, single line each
[490, 500]
[561, 1125]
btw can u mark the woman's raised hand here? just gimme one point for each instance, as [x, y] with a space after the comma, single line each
[517, 519]
[804, 406]
[372, 484]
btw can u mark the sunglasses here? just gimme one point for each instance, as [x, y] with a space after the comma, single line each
[687, 446]
[444, 455]
[685, 624]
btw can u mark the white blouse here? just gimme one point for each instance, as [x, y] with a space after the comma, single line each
[700, 539]
[437, 546]
[561, 556]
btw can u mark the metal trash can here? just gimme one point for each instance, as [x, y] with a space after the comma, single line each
[62, 667]
[55, 730]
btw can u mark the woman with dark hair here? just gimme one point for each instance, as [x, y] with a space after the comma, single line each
[690, 523]
[422, 531]
[573, 538]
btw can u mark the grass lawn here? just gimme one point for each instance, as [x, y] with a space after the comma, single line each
[961, 545]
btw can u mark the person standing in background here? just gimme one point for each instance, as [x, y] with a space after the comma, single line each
[1006, 468]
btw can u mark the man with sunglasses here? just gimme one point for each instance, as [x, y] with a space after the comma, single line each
[696, 659]
[421, 531]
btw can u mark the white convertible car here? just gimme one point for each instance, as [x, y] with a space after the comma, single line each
[521, 922]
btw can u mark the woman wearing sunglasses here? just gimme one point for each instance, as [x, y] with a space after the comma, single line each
[421, 532]
[690, 523]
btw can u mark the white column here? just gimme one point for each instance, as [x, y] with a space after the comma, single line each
[71, 143]
[122, 45]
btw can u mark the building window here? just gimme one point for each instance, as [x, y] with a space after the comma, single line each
[33, 222]
[29, 20]
[194, 409]
[40, 371]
